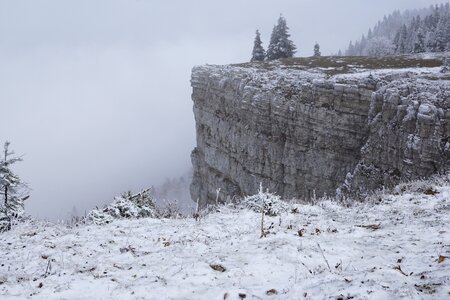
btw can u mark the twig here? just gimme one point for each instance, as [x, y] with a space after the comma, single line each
[217, 196]
[130, 197]
[263, 234]
[398, 268]
[196, 214]
[323, 255]
[49, 268]
[371, 226]
[311, 272]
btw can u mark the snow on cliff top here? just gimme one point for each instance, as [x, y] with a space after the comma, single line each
[396, 247]
[306, 69]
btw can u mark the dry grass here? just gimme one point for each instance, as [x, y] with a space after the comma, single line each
[333, 65]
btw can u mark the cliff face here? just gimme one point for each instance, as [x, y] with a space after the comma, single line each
[304, 131]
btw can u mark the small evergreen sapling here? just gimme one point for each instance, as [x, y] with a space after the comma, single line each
[266, 202]
[13, 191]
[258, 53]
[445, 65]
[127, 206]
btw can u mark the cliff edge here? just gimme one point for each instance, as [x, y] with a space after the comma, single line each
[306, 127]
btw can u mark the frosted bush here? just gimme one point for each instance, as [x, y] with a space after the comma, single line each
[100, 217]
[127, 206]
[10, 215]
[5, 221]
[428, 187]
[169, 210]
[271, 203]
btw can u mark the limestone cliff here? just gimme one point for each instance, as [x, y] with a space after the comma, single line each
[305, 127]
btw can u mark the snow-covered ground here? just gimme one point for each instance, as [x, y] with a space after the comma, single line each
[395, 247]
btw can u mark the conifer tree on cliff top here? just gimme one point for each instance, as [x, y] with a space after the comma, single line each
[317, 50]
[280, 45]
[258, 54]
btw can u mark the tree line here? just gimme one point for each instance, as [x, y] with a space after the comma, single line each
[411, 31]
[426, 30]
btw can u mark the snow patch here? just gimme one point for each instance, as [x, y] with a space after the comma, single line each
[395, 246]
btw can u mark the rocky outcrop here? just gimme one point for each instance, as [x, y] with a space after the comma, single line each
[303, 131]
[409, 137]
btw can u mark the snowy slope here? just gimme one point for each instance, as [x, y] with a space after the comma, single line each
[170, 259]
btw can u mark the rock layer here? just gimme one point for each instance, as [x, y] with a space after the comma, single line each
[305, 132]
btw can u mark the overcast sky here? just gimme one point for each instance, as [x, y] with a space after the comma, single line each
[96, 94]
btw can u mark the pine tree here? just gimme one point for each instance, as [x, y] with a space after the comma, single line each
[369, 34]
[442, 32]
[258, 53]
[396, 42]
[317, 50]
[12, 190]
[411, 36]
[403, 40]
[362, 46]
[357, 49]
[419, 42]
[350, 50]
[280, 45]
